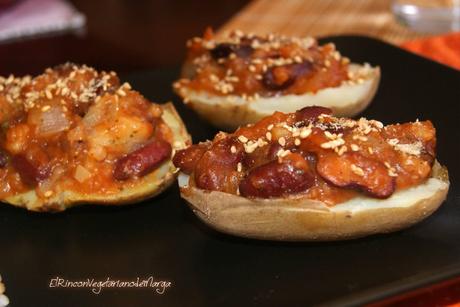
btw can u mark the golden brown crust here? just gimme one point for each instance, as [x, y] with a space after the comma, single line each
[148, 186]
[230, 114]
[297, 219]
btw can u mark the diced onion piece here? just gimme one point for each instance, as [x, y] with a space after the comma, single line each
[98, 152]
[51, 121]
[94, 115]
[81, 174]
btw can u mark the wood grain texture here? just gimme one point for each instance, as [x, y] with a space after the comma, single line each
[322, 18]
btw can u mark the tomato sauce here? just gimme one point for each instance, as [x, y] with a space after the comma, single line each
[73, 128]
[312, 154]
[250, 66]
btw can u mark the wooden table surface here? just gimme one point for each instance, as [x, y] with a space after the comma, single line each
[322, 18]
[127, 36]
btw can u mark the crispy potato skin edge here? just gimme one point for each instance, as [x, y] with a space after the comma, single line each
[297, 219]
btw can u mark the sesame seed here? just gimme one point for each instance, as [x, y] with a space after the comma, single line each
[354, 147]
[48, 193]
[270, 127]
[377, 124]
[342, 150]
[345, 60]
[333, 143]
[250, 146]
[297, 142]
[261, 142]
[239, 33]
[282, 141]
[46, 108]
[268, 135]
[9, 80]
[305, 132]
[252, 68]
[282, 153]
[360, 137]
[48, 94]
[370, 150]
[336, 55]
[330, 135]
[239, 167]
[295, 132]
[357, 170]
[233, 149]
[242, 139]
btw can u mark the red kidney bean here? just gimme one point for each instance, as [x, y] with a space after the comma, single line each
[311, 113]
[30, 174]
[275, 179]
[261, 155]
[371, 176]
[187, 159]
[217, 169]
[294, 71]
[224, 50]
[142, 161]
[3, 158]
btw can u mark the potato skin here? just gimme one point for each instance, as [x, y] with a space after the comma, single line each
[299, 219]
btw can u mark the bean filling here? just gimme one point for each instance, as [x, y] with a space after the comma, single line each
[312, 154]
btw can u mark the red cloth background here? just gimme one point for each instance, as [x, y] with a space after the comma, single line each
[444, 49]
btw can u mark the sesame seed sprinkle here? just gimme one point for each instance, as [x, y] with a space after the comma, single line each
[242, 139]
[282, 141]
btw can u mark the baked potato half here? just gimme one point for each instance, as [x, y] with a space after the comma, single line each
[77, 136]
[241, 78]
[302, 219]
[309, 176]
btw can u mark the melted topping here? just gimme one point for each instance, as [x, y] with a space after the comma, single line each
[251, 66]
[73, 128]
[315, 155]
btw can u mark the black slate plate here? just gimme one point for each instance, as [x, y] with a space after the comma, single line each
[161, 237]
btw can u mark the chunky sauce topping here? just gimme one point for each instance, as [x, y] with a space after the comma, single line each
[250, 66]
[73, 128]
[313, 154]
